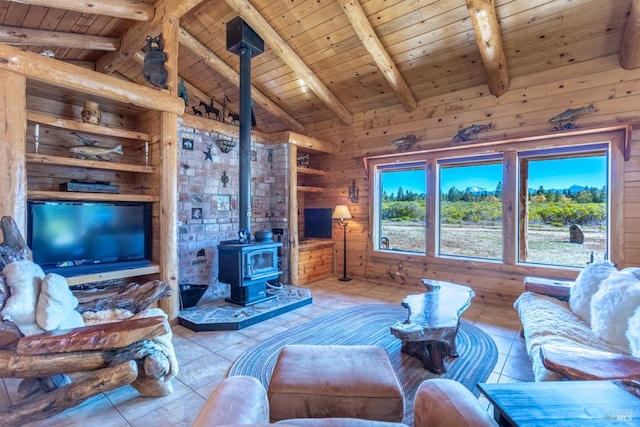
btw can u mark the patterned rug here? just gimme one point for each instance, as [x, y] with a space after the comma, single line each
[369, 325]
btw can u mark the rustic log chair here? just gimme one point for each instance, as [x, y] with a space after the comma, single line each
[61, 369]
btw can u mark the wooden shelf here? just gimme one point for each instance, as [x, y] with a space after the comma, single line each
[113, 275]
[90, 164]
[310, 171]
[98, 197]
[304, 189]
[86, 127]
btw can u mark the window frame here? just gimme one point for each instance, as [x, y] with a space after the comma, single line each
[618, 138]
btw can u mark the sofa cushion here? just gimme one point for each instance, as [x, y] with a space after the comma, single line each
[587, 283]
[547, 320]
[612, 306]
[23, 278]
[633, 333]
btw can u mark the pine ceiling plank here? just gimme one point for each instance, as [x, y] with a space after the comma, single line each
[229, 74]
[262, 27]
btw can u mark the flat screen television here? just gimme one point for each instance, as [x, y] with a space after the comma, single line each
[75, 237]
[317, 222]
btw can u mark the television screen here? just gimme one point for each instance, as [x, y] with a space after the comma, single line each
[317, 222]
[70, 237]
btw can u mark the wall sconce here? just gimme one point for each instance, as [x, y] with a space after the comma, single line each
[342, 212]
[353, 193]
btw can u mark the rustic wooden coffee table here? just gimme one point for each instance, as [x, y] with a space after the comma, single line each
[429, 332]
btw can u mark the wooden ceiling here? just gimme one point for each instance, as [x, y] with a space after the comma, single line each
[333, 59]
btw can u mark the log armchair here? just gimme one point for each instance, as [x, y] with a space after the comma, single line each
[62, 368]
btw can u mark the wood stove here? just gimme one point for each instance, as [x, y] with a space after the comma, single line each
[247, 267]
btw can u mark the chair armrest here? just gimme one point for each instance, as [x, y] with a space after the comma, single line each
[442, 402]
[236, 400]
[551, 287]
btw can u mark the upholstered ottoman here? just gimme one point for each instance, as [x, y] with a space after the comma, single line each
[328, 381]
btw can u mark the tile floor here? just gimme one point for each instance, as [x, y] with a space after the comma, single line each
[205, 358]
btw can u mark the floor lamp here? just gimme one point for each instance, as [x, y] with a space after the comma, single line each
[342, 212]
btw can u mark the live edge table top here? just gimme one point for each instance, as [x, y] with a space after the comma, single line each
[562, 403]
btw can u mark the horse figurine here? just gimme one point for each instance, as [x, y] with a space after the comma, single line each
[196, 112]
[210, 109]
[235, 118]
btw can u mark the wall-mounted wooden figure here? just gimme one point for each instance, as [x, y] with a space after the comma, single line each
[153, 66]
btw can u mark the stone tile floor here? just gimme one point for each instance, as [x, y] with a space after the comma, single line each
[205, 358]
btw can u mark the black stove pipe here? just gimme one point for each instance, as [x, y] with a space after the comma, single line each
[245, 140]
[243, 41]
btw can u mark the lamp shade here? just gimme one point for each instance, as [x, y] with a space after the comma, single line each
[341, 212]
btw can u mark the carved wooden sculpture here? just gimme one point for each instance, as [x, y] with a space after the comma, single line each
[74, 364]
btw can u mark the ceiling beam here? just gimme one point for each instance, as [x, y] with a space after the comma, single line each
[629, 53]
[288, 55]
[24, 36]
[489, 40]
[217, 64]
[125, 9]
[371, 42]
[179, 8]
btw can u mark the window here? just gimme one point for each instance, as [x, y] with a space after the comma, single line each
[470, 209]
[551, 202]
[401, 198]
[565, 204]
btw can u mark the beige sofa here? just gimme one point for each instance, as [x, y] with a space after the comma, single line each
[242, 400]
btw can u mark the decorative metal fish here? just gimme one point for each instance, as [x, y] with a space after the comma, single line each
[469, 133]
[565, 119]
[405, 143]
[95, 152]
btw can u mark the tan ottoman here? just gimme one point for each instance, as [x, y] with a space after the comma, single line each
[326, 381]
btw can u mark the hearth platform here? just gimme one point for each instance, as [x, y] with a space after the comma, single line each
[217, 314]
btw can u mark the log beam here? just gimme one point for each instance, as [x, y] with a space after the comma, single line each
[24, 36]
[125, 9]
[260, 25]
[218, 65]
[629, 53]
[381, 57]
[53, 71]
[489, 40]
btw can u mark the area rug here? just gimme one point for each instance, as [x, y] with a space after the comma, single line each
[369, 325]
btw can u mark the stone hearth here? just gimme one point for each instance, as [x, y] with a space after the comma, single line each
[214, 313]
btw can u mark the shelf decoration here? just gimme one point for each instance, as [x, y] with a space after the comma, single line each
[353, 192]
[565, 119]
[36, 136]
[469, 133]
[91, 113]
[225, 145]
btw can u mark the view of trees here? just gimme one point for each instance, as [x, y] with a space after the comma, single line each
[574, 205]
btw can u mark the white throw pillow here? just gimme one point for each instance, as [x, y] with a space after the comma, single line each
[633, 333]
[23, 278]
[587, 284]
[611, 307]
[56, 305]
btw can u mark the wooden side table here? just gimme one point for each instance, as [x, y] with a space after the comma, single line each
[562, 403]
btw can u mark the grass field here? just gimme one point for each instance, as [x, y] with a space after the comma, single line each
[546, 244]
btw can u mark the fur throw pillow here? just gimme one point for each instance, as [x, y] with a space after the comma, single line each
[587, 284]
[56, 305]
[23, 278]
[633, 333]
[611, 307]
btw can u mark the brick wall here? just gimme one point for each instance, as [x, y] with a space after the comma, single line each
[208, 209]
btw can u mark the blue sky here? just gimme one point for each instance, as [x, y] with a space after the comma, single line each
[556, 174]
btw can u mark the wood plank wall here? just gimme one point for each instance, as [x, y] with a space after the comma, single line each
[523, 111]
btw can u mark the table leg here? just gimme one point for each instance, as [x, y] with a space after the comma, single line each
[431, 353]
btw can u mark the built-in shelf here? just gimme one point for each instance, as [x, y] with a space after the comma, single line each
[45, 119]
[113, 275]
[310, 171]
[304, 189]
[91, 164]
[98, 197]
